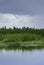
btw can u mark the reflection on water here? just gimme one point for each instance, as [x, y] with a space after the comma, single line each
[20, 57]
[23, 48]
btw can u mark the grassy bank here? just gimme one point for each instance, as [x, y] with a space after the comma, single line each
[22, 37]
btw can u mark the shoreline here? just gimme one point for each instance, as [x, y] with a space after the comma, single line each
[21, 44]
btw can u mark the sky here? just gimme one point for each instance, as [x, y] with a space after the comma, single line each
[22, 13]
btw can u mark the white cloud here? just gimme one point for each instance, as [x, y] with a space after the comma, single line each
[11, 20]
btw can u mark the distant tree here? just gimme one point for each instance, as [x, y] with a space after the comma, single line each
[5, 27]
[23, 28]
[14, 27]
[10, 28]
[27, 28]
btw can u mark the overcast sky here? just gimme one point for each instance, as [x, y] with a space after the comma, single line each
[19, 13]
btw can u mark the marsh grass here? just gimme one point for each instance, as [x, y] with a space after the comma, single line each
[17, 37]
[21, 39]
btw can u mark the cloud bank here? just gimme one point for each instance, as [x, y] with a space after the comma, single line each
[10, 20]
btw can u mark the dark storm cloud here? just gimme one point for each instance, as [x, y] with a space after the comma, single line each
[31, 7]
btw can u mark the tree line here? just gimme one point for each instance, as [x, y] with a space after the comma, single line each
[4, 30]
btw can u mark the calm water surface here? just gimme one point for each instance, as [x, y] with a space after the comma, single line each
[19, 57]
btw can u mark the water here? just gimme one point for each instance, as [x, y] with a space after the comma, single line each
[20, 57]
